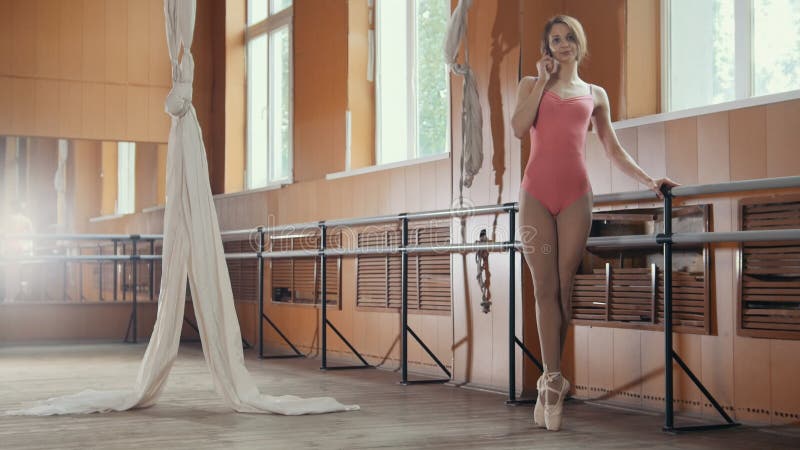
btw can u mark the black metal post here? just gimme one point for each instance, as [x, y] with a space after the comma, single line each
[512, 332]
[323, 232]
[404, 299]
[668, 393]
[115, 267]
[64, 296]
[152, 270]
[134, 268]
[100, 269]
[260, 292]
[124, 270]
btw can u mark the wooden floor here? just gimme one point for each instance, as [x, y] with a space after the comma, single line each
[190, 415]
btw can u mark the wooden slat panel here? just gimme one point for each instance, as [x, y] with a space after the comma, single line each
[770, 292]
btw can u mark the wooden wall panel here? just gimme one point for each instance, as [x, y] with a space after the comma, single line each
[627, 368]
[783, 386]
[94, 109]
[136, 113]
[70, 40]
[116, 41]
[46, 106]
[116, 111]
[6, 37]
[138, 52]
[601, 359]
[23, 38]
[159, 71]
[652, 149]
[713, 148]
[783, 136]
[158, 122]
[681, 146]
[94, 37]
[642, 58]
[70, 109]
[319, 107]
[689, 349]
[48, 14]
[747, 140]
[620, 181]
[23, 117]
[6, 104]
[98, 53]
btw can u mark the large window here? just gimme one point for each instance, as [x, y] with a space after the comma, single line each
[269, 92]
[126, 178]
[413, 92]
[722, 50]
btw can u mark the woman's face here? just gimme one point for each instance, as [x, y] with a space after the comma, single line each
[563, 45]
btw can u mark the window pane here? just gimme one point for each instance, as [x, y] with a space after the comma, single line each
[432, 80]
[280, 85]
[126, 177]
[256, 11]
[776, 46]
[279, 5]
[702, 53]
[392, 73]
[257, 112]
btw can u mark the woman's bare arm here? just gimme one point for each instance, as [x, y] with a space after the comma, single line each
[529, 94]
[615, 152]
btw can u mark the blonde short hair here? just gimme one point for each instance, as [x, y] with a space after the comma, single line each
[576, 29]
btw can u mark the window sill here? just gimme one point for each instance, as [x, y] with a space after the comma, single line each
[154, 208]
[708, 109]
[107, 217]
[394, 165]
[269, 187]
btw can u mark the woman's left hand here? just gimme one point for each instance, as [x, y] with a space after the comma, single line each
[656, 184]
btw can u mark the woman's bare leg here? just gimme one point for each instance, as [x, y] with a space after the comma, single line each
[573, 225]
[540, 249]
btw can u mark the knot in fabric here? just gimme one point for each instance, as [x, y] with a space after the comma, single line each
[179, 99]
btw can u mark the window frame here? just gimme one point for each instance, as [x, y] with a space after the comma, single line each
[129, 166]
[744, 88]
[273, 23]
[412, 151]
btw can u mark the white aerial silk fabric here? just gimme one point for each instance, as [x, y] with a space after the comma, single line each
[471, 117]
[193, 246]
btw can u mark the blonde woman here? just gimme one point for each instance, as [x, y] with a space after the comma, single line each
[555, 203]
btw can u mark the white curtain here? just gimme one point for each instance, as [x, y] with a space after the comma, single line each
[193, 247]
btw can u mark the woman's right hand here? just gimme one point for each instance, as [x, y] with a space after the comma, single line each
[546, 66]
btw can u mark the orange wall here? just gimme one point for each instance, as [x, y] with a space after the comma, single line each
[320, 88]
[97, 69]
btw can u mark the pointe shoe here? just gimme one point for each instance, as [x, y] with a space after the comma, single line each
[552, 412]
[538, 409]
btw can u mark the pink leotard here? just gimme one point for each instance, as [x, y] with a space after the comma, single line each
[556, 172]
